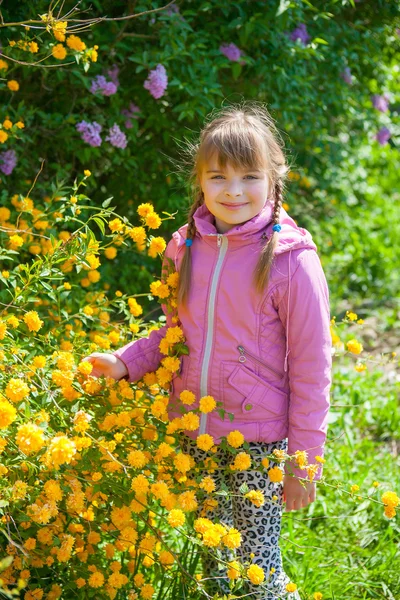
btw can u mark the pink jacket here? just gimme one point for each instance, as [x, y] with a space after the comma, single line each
[266, 357]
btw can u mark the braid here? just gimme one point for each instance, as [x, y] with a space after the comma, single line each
[185, 271]
[263, 268]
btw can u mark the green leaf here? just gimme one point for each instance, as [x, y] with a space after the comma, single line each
[107, 202]
[100, 223]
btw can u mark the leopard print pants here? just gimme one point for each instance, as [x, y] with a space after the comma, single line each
[260, 527]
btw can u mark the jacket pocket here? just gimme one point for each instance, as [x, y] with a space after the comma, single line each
[248, 396]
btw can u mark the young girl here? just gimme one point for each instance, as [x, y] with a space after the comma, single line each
[253, 304]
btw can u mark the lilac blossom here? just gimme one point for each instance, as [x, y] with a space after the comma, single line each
[300, 33]
[100, 84]
[8, 161]
[383, 135]
[347, 76]
[380, 102]
[173, 9]
[90, 132]
[129, 113]
[231, 51]
[157, 81]
[116, 137]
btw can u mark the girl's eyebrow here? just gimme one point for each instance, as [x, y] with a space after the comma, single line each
[219, 171]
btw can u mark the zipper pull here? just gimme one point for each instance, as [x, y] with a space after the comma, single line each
[219, 239]
[242, 357]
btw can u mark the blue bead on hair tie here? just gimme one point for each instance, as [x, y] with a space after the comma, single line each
[277, 227]
[189, 242]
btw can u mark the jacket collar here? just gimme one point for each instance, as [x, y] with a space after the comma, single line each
[290, 237]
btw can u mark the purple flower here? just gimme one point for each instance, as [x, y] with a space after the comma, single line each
[347, 76]
[113, 74]
[231, 51]
[90, 132]
[172, 9]
[130, 114]
[380, 102]
[8, 161]
[300, 33]
[116, 137]
[157, 81]
[100, 84]
[383, 135]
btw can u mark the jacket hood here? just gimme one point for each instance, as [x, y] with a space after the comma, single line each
[291, 235]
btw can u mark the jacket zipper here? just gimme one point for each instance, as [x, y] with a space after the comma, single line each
[242, 359]
[222, 244]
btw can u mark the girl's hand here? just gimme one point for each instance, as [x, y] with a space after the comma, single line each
[297, 496]
[107, 365]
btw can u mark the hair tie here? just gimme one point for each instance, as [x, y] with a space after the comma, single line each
[189, 242]
[276, 227]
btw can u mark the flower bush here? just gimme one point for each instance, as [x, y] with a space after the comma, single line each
[96, 496]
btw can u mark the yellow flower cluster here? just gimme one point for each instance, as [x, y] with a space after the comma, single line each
[391, 501]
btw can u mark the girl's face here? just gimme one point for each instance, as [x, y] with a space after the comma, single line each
[233, 196]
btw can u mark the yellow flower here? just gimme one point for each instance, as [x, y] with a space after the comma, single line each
[174, 335]
[96, 579]
[59, 51]
[317, 596]
[3, 330]
[16, 390]
[30, 438]
[212, 536]
[360, 367]
[233, 571]
[207, 404]
[134, 308]
[190, 421]
[354, 346]
[7, 124]
[110, 252]
[33, 47]
[232, 539]
[351, 316]
[207, 484]
[145, 209]
[291, 587]
[242, 462]
[87, 173]
[235, 439]
[354, 488]
[152, 220]
[20, 124]
[256, 497]
[157, 246]
[137, 459]
[275, 474]
[15, 241]
[390, 499]
[116, 225]
[13, 85]
[33, 321]
[187, 397]
[255, 574]
[7, 413]
[3, 136]
[13, 321]
[61, 451]
[3, 65]
[176, 517]
[205, 442]
[75, 43]
[301, 458]
[182, 462]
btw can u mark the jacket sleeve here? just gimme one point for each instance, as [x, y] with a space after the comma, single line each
[309, 358]
[143, 356]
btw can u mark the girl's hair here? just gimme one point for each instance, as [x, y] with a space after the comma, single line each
[244, 135]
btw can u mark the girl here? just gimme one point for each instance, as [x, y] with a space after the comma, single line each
[253, 304]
